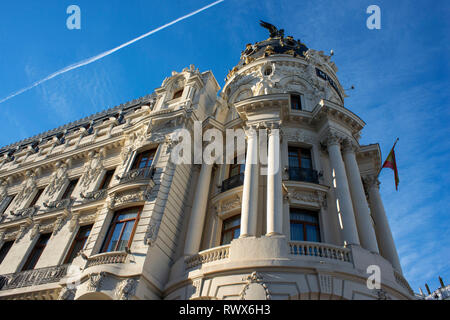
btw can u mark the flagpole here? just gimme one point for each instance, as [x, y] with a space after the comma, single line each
[386, 158]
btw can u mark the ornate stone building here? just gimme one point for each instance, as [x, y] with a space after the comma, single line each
[96, 209]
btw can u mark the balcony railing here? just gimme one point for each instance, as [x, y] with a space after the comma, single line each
[137, 174]
[321, 250]
[303, 174]
[210, 255]
[233, 182]
[33, 277]
[107, 258]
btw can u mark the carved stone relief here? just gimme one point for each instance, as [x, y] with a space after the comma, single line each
[255, 288]
[126, 289]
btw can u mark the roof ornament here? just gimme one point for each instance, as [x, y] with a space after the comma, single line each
[274, 32]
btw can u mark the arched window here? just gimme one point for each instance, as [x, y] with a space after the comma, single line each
[177, 94]
[296, 101]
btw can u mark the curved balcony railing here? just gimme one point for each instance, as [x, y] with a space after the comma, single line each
[233, 182]
[137, 174]
[210, 255]
[303, 174]
[107, 258]
[33, 277]
[317, 249]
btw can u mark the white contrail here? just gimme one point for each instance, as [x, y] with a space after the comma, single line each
[106, 53]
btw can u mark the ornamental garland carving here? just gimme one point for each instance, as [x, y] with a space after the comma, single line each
[92, 169]
[151, 233]
[95, 281]
[133, 141]
[78, 218]
[3, 190]
[315, 197]
[58, 178]
[126, 289]
[29, 185]
[255, 288]
[299, 136]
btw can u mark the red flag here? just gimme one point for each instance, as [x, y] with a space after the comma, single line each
[391, 163]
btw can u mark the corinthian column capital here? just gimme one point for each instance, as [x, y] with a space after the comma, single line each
[332, 138]
[349, 146]
[371, 181]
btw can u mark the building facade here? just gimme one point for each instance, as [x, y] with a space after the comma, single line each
[97, 209]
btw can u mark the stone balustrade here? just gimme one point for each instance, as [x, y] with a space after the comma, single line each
[33, 277]
[107, 258]
[206, 256]
[317, 249]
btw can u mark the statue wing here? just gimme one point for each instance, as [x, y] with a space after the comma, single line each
[272, 29]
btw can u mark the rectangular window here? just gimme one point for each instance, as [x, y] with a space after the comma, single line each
[70, 188]
[121, 231]
[5, 249]
[300, 158]
[107, 179]
[78, 243]
[6, 203]
[296, 102]
[34, 256]
[144, 159]
[36, 197]
[178, 94]
[231, 229]
[304, 225]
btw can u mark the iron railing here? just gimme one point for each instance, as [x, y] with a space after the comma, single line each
[303, 174]
[233, 182]
[34, 277]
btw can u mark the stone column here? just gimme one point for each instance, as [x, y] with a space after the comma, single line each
[383, 231]
[346, 215]
[250, 190]
[197, 218]
[362, 214]
[274, 190]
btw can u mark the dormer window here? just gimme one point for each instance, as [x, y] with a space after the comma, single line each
[296, 102]
[178, 94]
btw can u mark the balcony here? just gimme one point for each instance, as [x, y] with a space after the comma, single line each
[233, 182]
[33, 277]
[207, 256]
[137, 174]
[321, 250]
[303, 174]
[107, 258]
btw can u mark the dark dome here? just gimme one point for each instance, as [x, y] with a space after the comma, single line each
[272, 46]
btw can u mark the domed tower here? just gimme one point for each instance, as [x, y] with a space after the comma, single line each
[306, 223]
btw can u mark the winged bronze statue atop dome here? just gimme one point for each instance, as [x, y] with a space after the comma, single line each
[274, 32]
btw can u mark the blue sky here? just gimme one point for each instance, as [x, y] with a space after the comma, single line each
[401, 76]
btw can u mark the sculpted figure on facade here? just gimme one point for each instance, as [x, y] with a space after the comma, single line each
[92, 169]
[29, 185]
[125, 289]
[58, 178]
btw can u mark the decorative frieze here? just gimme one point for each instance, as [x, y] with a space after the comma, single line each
[129, 196]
